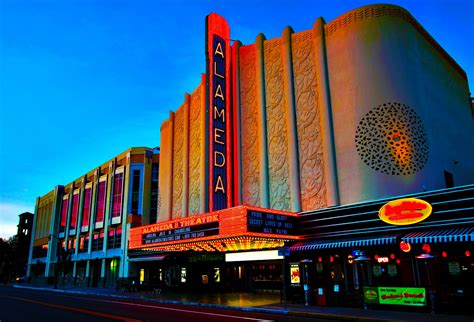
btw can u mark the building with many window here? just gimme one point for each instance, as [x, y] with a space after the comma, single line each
[87, 220]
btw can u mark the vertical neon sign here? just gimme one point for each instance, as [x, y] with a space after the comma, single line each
[218, 112]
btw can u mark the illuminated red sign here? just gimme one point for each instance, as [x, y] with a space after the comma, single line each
[426, 248]
[405, 247]
[405, 211]
[219, 114]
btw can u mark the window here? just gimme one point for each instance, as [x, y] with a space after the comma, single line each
[115, 238]
[62, 225]
[71, 244]
[135, 191]
[84, 244]
[81, 243]
[117, 201]
[100, 202]
[98, 241]
[87, 207]
[75, 210]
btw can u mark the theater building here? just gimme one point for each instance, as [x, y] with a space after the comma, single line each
[298, 153]
[301, 139]
[80, 228]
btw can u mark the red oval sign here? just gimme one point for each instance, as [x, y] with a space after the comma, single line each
[405, 211]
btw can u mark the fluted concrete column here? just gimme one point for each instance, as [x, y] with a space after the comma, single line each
[187, 107]
[324, 100]
[204, 202]
[295, 188]
[262, 123]
[237, 126]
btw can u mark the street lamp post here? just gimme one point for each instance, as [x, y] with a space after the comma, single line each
[362, 259]
[306, 283]
[426, 257]
[57, 256]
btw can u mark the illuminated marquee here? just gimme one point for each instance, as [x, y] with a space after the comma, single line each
[270, 223]
[246, 227]
[405, 211]
[218, 74]
[181, 229]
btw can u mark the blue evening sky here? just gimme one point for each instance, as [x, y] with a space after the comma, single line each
[82, 81]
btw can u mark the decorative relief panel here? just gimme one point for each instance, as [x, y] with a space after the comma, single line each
[249, 122]
[391, 139]
[178, 135]
[313, 188]
[367, 12]
[195, 160]
[277, 135]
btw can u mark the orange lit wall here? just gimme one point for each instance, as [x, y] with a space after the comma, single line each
[182, 159]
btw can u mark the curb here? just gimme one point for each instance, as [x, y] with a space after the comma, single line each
[282, 311]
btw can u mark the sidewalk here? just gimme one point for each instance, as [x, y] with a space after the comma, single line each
[263, 303]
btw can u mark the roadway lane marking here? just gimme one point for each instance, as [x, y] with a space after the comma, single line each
[172, 309]
[73, 309]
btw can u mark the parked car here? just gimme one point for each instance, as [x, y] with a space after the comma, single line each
[22, 279]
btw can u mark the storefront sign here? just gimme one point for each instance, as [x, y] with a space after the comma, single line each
[179, 234]
[183, 275]
[217, 274]
[405, 211]
[405, 247]
[269, 223]
[377, 270]
[350, 259]
[181, 229]
[411, 296]
[284, 251]
[319, 267]
[454, 268]
[206, 258]
[358, 253]
[392, 270]
[371, 295]
[294, 274]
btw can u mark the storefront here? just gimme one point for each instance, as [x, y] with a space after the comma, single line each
[426, 264]
[232, 249]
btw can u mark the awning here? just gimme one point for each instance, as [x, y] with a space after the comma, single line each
[440, 236]
[345, 243]
[147, 259]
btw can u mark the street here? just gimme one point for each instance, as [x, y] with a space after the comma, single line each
[30, 305]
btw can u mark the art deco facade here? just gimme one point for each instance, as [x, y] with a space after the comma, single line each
[364, 107]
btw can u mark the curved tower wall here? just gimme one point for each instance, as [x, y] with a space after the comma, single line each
[380, 55]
